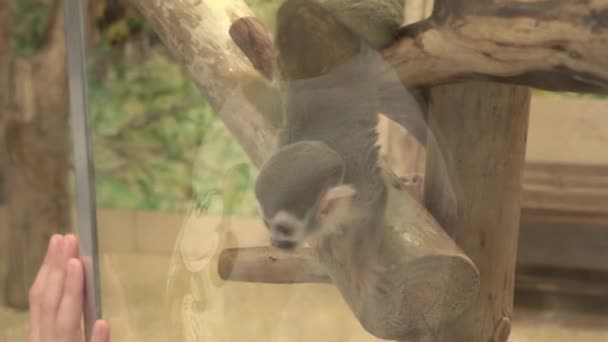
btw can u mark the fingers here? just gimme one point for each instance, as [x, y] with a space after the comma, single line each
[57, 296]
[37, 290]
[69, 314]
[101, 332]
[54, 284]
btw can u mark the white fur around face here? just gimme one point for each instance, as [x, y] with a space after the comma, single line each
[335, 210]
[286, 219]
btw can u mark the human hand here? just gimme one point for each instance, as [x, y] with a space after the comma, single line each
[57, 297]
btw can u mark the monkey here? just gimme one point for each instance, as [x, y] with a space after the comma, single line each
[378, 23]
[324, 182]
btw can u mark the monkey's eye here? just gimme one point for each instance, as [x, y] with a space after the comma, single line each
[283, 229]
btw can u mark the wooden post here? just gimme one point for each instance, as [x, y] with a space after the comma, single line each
[481, 129]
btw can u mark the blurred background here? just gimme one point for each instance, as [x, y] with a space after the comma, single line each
[168, 173]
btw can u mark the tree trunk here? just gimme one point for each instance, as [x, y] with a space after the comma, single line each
[481, 129]
[35, 149]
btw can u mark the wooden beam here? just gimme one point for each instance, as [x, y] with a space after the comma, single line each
[481, 129]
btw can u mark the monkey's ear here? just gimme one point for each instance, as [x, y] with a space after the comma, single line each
[335, 200]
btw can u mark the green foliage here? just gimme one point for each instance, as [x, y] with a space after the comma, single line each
[265, 10]
[159, 146]
[30, 24]
[545, 93]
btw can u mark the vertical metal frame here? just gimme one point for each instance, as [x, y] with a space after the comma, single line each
[83, 157]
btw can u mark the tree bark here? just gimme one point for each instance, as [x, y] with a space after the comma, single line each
[484, 142]
[35, 149]
[553, 45]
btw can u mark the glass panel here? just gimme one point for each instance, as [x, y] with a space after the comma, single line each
[184, 119]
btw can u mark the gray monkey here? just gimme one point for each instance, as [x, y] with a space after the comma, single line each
[325, 181]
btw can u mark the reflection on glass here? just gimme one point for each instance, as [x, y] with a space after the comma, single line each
[180, 133]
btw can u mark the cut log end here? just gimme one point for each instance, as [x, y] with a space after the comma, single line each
[434, 290]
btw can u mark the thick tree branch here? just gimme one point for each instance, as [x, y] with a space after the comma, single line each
[552, 45]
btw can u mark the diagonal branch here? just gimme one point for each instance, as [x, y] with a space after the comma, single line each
[197, 34]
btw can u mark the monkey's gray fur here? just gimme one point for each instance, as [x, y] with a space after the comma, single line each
[375, 21]
[325, 177]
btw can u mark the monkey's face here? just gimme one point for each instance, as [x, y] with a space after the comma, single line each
[290, 228]
[286, 230]
[299, 189]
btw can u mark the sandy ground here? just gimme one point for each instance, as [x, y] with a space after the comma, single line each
[135, 295]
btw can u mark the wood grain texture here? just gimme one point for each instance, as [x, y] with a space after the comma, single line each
[481, 128]
[554, 45]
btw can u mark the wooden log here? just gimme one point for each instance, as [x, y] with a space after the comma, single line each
[481, 128]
